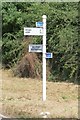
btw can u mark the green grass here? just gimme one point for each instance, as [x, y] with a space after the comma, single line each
[65, 97]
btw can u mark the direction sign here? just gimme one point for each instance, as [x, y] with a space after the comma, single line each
[33, 31]
[39, 24]
[49, 55]
[35, 48]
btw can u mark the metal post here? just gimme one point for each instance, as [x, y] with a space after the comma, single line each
[44, 57]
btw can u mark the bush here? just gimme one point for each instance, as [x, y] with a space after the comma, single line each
[11, 52]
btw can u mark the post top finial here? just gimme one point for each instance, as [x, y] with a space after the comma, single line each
[44, 16]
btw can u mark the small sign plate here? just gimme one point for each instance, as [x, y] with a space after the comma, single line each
[39, 24]
[49, 55]
[33, 31]
[35, 48]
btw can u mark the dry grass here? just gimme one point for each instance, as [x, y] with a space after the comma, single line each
[23, 98]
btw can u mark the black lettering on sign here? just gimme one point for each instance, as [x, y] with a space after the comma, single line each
[28, 30]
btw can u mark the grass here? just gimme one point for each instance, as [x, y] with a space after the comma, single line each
[64, 97]
[22, 97]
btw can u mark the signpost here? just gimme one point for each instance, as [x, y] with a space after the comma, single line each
[39, 24]
[33, 31]
[35, 48]
[49, 55]
[41, 31]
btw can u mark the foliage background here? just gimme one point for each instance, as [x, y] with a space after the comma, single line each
[62, 35]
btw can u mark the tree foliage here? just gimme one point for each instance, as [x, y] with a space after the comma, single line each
[62, 34]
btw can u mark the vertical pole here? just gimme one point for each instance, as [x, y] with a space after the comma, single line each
[44, 57]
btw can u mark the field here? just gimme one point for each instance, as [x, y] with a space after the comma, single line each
[22, 98]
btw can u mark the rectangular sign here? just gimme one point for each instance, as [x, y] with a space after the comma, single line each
[49, 55]
[35, 48]
[33, 31]
[39, 24]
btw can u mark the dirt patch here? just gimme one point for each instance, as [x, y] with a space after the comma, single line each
[22, 97]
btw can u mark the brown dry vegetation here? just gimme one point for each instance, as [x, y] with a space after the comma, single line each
[29, 66]
[22, 97]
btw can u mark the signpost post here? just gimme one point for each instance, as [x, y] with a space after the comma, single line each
[44, 57]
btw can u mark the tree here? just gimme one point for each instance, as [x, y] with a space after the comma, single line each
[62, 34]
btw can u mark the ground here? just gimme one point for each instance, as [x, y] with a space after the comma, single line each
[22, 97]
